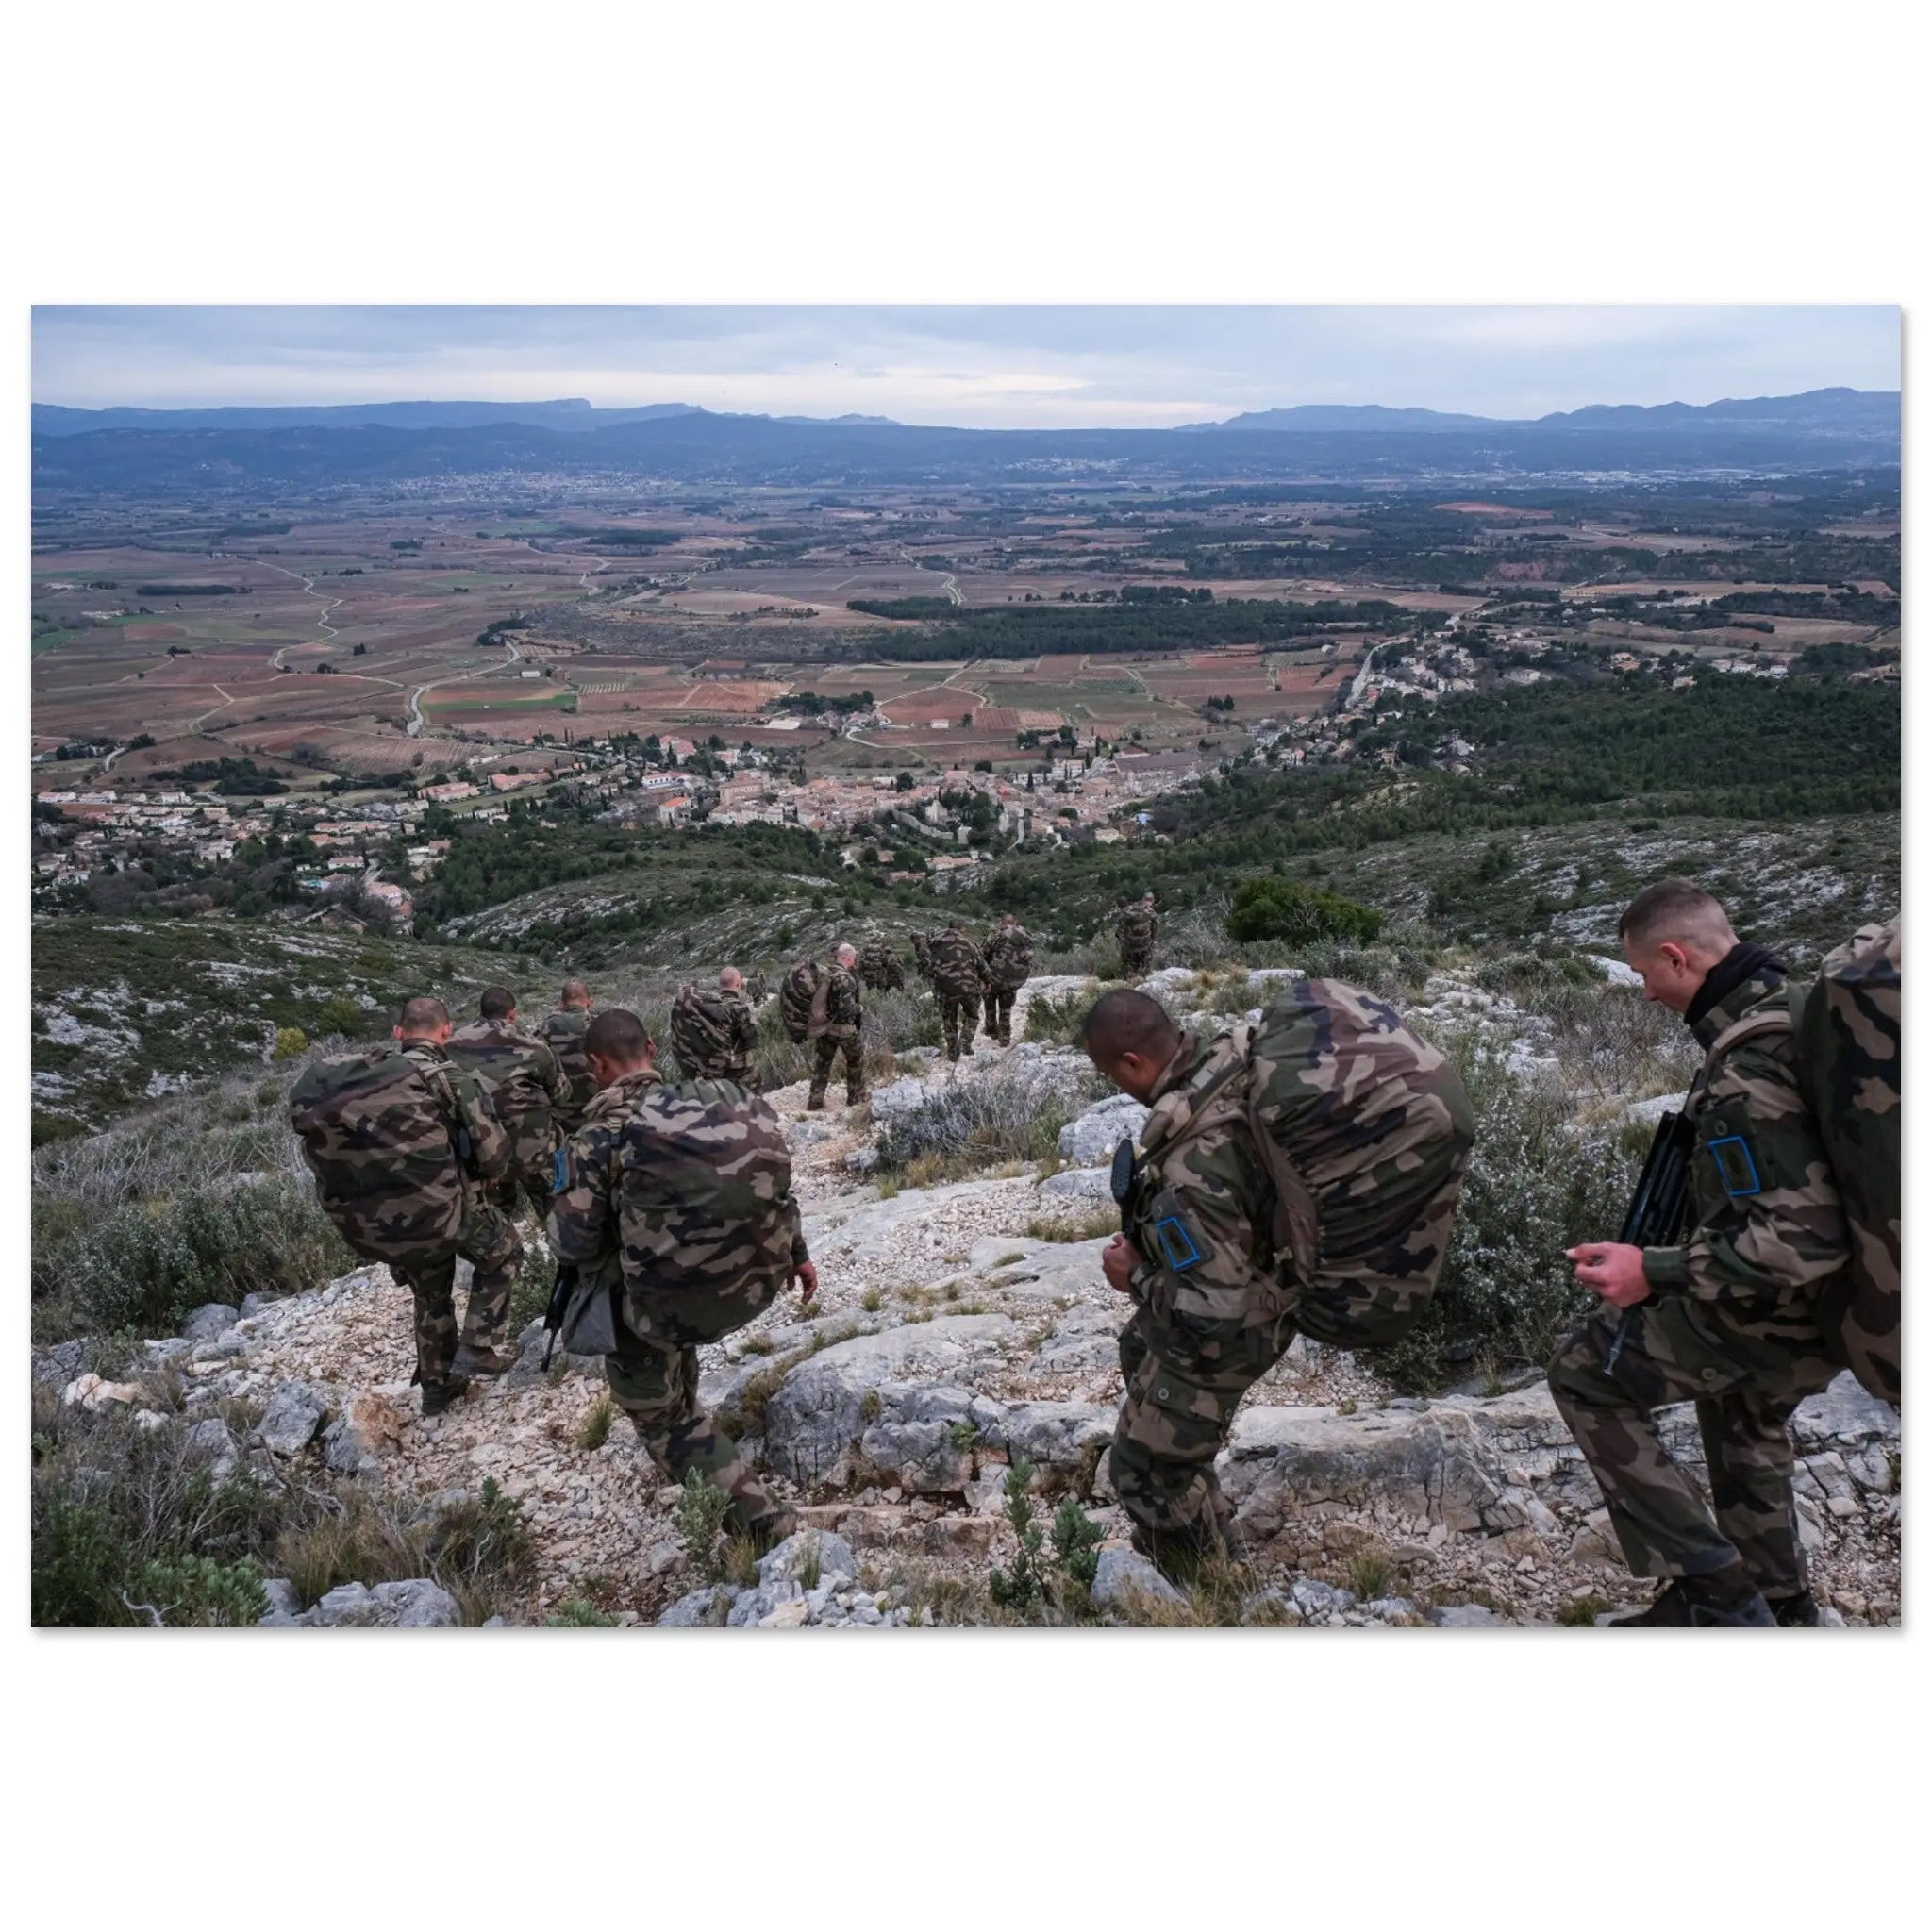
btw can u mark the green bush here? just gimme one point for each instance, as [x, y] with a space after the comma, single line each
[341, 1014]
[144, 1264]
[290, 1043]
[1537, 1183]
[1272, 907]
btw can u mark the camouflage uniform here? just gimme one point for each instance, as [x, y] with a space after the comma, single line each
[879, 969]
[563, 1032]
[1210, 1316]
[1137, 927]
[713, 1034]
[526, 1086]
[758, 987]
[1849, 1064]
[957, 976]
[922, 956]
[841, 1036]
[1008, 956]
[1732, 1323]
[654, 1374]
[488, 1238]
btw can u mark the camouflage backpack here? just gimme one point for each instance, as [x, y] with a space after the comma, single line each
[1849, 1070]
[879, 969]
[802, 1002]
[1365, 1131]
[563, 1032]
[704, 1176]
[701, 1033]
[379, 1139]
[956, 964]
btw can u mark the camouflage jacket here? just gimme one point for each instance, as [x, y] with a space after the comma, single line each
[922, 955]
[1009, 954]
[879, 969]
[473, 1122]
[563, 1032]
[957, 966]
[1199, 1215]
[842, 1011]
[1768, 1233]
[1136, 927]
[713, 1034]
[520, 1073]
[758, 987]
[583, 1218]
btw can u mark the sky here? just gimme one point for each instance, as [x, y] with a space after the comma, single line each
[992, 367]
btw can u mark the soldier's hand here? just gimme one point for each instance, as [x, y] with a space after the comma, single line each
[808, 1278]
[1613, 1269]
[1117, 1263]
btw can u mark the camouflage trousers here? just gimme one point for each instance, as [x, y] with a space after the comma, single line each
[487, 1240]
[826, 1051]
[960, 1018]
[999, 1014]
[1173, 1424]
[1136, 962]
[655, 1384]
[1745, 1386]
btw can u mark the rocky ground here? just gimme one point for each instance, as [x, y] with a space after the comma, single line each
[958, 1326]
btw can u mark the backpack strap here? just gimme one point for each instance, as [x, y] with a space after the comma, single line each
[1778, 1020]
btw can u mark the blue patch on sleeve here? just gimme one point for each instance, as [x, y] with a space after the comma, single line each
[560, 1179]
[1736, 1168]
[1179, 1248]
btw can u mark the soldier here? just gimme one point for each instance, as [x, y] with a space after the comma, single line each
[1729, 1318]
[562, 1032]
[715, 1261]
[713, 1035]
[404, 1146]
[922, 955]
[1195, 1254]
[840, 1033]
[1008, 960]
[1137, 927]
[959, 973]
[879, 969]
[758, 987]
[526, 1086]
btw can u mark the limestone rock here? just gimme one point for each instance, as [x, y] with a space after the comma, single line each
[1059, 1435]
[209, 1321]
[701, 1610]
[94, 1394]
[211, 1438]
[1123, 1575]
[790, 1560]
[1078, 1186]
[355, 1444]
[294, 1413]
[1463, 1617]
[1090, 1139]
[64, 1362]
[419, 1604]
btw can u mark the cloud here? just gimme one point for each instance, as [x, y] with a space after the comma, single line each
[1017, 366]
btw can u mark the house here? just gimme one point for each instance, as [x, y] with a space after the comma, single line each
[449, 794]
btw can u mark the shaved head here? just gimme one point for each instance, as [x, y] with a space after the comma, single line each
[498, 1003]
[422, 1017]
[1123, 1022]
[1674, 933]
[731, 978]
[575, 993]
[617, 1037]
[1676, 909]
[846, 954]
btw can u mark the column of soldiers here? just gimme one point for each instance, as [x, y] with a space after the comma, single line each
[1745, 1315]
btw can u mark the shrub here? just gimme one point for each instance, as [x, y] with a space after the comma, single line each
[1272, 907]
[578, 1613]
[339, 1014]
[594, 1430]
[1537, 1183]
[1054, 1018]
[698, 1517]
[1011, 1114]
[1024, 1584]
[290, 1043]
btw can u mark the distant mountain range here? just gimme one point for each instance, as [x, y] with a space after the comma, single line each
[242, 448]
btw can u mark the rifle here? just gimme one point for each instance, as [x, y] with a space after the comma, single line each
[560, 1300]
[1656, 1216]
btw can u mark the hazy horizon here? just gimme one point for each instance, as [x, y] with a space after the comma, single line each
[1099, 366]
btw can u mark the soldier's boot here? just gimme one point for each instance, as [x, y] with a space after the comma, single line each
[855, 1096]
[438, 1396]
[481, 1362]
[1698, 1602]
[1796, 1612]
[815, 1100]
